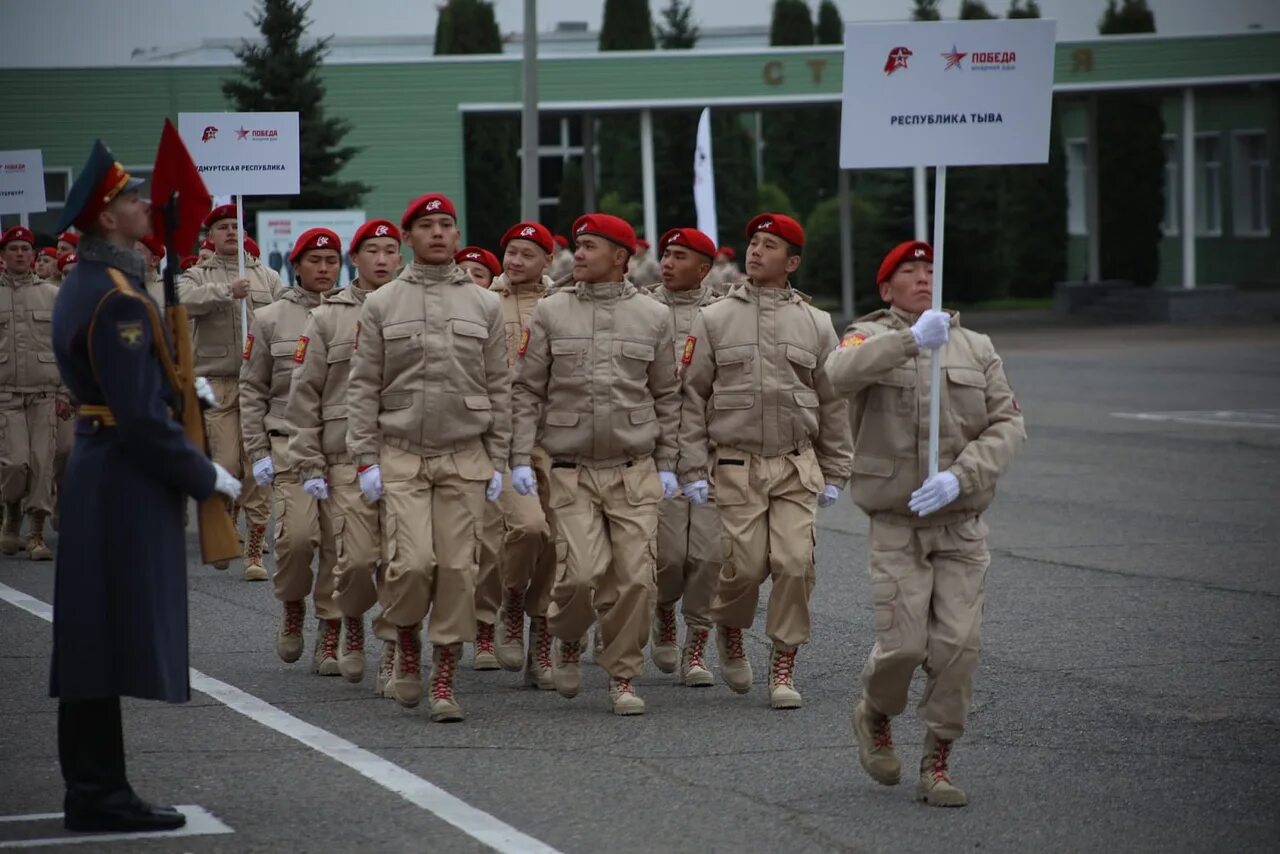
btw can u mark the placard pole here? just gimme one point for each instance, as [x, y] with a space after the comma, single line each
[935, 368]
[244, 301]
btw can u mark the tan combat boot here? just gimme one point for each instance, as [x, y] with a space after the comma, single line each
[663, 647]
[935, 787]
[253, 568]
[386, 668]
[351, 649]
[567, 673]
[486, 658]
[539, 666]
[510, 644]
[324, 662]
[733, 659]
[11, 533]
[782, 676]
[693, 659]
[289, 638]
[442, 705]
[875, 745]
[406, 676]
[623, 699]
[36, 548]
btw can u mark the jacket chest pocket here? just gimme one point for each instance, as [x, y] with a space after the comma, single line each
[467, 339]
[894, 393]
[339, 352]
[632, 361]
[803, 363]
[401, 346]
[736, 367]
[569, 357]
[42, 333]
[967, 398]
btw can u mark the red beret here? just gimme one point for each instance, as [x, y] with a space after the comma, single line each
[480, 256]
[780, 224]
[535, 232]
[315, 238]
[641, 243]
[51, 251]
[690, 238]
[18, 232]
[611, 228]
[71, 237]
[207, 244]
[189, 261]
[431, 203]
[251, 247]
[911, 250]
[218, 213]
[67, 258]
[374, 228]
[727, 251]
[562, 241]
[153, 244]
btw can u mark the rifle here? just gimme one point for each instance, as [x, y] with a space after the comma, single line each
[218, 539]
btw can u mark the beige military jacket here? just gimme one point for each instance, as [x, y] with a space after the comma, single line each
[154, 286]
[598, 377]
[980, 429]
[274, 348]
[430, 370]
[317, 410]
[755, 380]
[216, 333]
[561, 265]
[684, 307]
[517, 309]
[644, 273]
[27, 363]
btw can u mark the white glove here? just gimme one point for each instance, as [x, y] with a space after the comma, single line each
[225, 482]
[932, 329]
[495, 487]
[697, 492]
[264, 471]
[523, 480]
[830, 495]
[371, 483]
[317, 488]
[670, 486]
[936, 493]
[204, 391]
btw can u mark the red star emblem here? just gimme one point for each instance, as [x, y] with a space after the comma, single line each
[953, 59]
[241, 133]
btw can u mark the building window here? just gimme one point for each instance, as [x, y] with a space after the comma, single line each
[1208, 185]
[1172, 186]
[1250, 170]
[1077, 187]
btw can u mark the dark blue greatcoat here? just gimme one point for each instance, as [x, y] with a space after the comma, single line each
[120, 594]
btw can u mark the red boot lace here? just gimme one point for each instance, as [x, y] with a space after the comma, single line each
[940, 757]
[667, 617]
[542, 646]
[410, 653]
[442, 684]
[882, 733]
[388, 663]
[484, 637]
[733, 643]
[355, 634]
[256, 537]
[698, 648]
[293, 614]
[623, 686]
[783, 665]
[570, 651]
[329, 640]
[513, 614]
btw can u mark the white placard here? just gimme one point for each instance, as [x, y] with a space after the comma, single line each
[22, 181]
[947, 93]
[244, 154]
[279, 230]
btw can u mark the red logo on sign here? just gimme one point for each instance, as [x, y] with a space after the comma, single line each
[210, 132]
[954, 58]
[897, 59]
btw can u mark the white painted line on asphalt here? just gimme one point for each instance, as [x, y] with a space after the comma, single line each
[1265, 419]
[477, 824]
[200, 822]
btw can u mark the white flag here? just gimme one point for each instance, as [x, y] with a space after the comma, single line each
[704, 180]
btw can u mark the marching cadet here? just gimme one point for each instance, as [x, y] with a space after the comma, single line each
[597, 381]
[756, 388]
[429, 426]
[643, 271]
[67, 242]
[303, 525]
[47, 266]
[562, 262]
[689, 546]
[120, 592]
[206, 250]
[724, 272]
[66, 263]
[213, 292]
[479, 263]
[528, 560]
[317, 417]
[188, 261]
[928, 544]
[31, 398]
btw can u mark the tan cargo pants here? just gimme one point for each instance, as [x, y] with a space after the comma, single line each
[28, 430]
[226, 448]
[489, 572]
[304, 528]
[927, 584]
[66, 439]
[528, 557]
[689, 549]
[432, 512]
[767, 507]
[357, 539]
[606, 558]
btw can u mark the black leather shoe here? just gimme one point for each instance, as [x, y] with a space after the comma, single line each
[119, 812]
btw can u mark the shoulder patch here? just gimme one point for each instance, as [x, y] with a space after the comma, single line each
[248, 347]
[852, 339]
[690, 344]
[356, 344]
[130, 334]
[524, 342]
[300, 353]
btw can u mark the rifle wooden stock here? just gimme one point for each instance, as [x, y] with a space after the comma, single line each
[218, 539]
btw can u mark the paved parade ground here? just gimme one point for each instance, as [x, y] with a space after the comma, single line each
[1127, 698]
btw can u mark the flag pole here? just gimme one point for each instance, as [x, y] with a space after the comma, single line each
[935, 368]
[244, 301]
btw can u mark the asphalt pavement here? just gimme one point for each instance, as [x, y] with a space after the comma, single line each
[1126, 700]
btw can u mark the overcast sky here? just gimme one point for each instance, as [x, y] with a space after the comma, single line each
[106, 32]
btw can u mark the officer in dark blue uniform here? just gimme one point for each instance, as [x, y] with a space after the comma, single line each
[120, 595]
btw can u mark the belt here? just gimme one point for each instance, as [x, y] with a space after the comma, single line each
[102, 414]
[563, 464]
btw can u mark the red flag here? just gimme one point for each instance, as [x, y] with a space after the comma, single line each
[176, 172]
